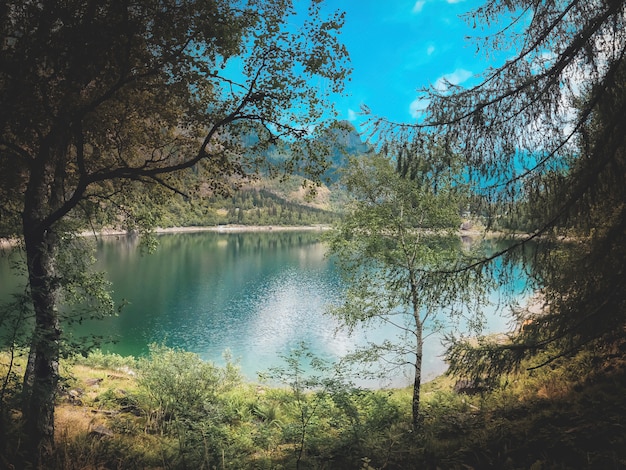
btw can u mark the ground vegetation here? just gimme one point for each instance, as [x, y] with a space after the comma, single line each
[173, 410]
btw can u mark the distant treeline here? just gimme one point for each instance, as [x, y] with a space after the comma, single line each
[247, 207]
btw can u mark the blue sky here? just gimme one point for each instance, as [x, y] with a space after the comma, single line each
[398, 46]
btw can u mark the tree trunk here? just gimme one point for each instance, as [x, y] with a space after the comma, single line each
[44, 355]
[44, 194]
[419, 346]
[417, 421]
[41, 376]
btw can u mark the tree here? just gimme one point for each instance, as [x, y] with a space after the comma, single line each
[101, 98]
[545, 131]
[393, 239]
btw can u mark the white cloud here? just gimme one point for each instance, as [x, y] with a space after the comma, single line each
[417, 8]
[351, 115]
[455, 1]
[430, 49]
[418, 106]
[455, 78]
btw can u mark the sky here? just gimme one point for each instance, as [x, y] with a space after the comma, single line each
[399, 46]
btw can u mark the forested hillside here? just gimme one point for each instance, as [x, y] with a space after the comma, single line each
[252, 206]
[274, 200]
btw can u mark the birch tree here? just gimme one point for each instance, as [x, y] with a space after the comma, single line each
[390, 245]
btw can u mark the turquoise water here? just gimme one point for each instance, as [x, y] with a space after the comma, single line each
[257, 295]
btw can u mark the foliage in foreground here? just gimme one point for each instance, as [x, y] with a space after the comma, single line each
[543, 144]
[171, 410]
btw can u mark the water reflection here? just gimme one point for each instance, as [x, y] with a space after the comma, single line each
[256, 294]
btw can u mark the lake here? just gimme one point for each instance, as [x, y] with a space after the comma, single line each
[257, 295]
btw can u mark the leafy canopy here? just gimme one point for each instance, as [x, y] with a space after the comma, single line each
[97, 96]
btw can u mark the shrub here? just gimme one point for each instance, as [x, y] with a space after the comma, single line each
[99, 360]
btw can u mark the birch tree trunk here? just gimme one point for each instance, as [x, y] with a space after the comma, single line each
[419, 344]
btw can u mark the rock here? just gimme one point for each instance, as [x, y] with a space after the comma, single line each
[93, 382]
[127, 370]
[74, 397]
[100, 430]
[471, 387]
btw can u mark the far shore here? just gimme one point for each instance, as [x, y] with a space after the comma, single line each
[219, 229]
[6, 243]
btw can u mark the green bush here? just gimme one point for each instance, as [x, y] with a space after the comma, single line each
[177, 384]
[202, 406]
[99, 360]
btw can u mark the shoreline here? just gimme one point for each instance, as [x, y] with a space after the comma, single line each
[7, 243]
[216, 228]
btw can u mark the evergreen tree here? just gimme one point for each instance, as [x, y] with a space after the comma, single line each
[543, 138]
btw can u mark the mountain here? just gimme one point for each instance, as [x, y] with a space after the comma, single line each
[334, 143]
[341, 141]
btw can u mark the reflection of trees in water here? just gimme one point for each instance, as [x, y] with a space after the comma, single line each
[199, 289]
[255, 241]
[235, 243]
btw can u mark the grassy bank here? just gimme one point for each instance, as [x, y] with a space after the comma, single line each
[171, 410]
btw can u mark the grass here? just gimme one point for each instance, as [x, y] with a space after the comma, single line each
[571, 414]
